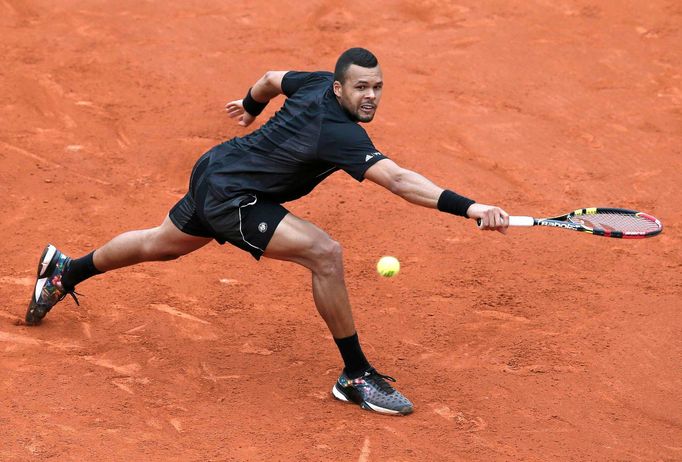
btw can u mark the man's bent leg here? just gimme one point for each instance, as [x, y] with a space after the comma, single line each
[302, 242]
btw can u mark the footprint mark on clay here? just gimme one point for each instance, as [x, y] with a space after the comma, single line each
[127, 370]
[472, 424]
[121, 138]
[500, 315]
[176, 424]
[250, 349]
[27, 281]
[592, 141]
[126, 383]
[365, 450]
[175, 312]
[20, 339]
[123, 386]
[86, 329]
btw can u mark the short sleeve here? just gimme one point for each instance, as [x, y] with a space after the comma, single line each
[293, 80]
[348, 146]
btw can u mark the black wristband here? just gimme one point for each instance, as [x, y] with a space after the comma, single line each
[252, 106]
[451, 202]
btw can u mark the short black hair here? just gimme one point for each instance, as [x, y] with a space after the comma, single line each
[358, 56]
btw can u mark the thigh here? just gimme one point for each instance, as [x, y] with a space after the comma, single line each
[176, 241]
[296, 240]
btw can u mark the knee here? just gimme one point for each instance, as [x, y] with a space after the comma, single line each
[328, 257]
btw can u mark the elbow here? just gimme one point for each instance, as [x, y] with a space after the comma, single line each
[397, 183]
[267, 77]
[269, 80]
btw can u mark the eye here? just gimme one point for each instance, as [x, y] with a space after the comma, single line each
[361, 87]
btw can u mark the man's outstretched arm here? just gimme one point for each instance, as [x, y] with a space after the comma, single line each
[419, 190]
[248, 108]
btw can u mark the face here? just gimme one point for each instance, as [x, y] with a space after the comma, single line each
[360, 94]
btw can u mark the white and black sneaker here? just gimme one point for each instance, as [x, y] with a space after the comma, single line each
[372, 392]
[48, 289]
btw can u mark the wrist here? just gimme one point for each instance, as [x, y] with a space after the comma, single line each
[469, 208]
[252, 106]
[451, 202]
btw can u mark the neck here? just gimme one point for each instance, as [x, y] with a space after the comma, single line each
[350, 115]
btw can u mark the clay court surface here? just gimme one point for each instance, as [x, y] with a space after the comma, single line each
[540, 345]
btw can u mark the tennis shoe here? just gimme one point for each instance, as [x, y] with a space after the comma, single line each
[48, 290]
[372, 392]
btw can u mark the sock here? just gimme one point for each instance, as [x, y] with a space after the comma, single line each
[78, 271]
[353, 357]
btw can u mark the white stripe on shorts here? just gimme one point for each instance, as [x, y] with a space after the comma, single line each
[255, 199]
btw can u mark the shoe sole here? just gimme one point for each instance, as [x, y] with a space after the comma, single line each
[341, 396]
[43, 265]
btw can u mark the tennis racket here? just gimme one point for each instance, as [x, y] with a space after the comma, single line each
[608, 222]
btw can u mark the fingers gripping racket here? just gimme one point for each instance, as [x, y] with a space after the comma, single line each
[608, 222]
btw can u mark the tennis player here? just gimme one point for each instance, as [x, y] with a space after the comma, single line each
[237, 188]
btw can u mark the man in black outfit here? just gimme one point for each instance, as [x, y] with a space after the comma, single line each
[236, 191]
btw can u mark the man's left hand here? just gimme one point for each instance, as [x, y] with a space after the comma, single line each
[236, 109]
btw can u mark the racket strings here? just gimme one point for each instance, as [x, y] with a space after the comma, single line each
[610, 221]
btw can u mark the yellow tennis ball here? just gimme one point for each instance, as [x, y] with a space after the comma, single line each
[388, 266]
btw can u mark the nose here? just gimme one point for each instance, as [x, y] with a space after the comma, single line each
[370, 94]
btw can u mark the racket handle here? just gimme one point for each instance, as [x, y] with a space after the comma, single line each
[521, 221]
[515, 221]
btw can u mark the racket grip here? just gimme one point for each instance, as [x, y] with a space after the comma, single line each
[521, 221]
[515, 221]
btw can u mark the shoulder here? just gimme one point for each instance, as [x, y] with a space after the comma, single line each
[320, 76]
[296, 80]
[341, 129]
[344, 136]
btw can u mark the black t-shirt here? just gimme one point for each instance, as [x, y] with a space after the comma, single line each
[307, 140]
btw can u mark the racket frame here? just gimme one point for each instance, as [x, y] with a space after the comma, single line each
[563, 221]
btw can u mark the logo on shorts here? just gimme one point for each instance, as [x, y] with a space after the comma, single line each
[369, 156]
[262, 227]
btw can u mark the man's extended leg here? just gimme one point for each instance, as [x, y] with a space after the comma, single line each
[58, 275]
[165, 242]
[302, 242]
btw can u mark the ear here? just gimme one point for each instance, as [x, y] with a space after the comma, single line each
[337, 88]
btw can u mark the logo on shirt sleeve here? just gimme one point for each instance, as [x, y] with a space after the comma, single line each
[374, 154]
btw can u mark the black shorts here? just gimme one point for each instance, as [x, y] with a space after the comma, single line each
[247, 221]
